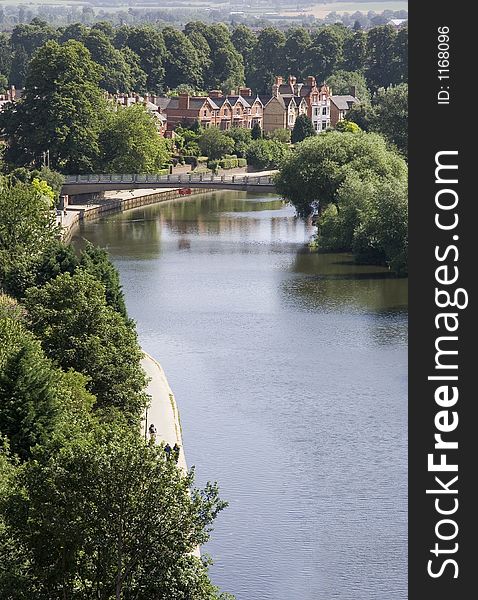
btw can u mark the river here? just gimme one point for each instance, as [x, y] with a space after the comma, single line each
[290, 371]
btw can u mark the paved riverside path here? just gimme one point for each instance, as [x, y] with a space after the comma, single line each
[163, 411]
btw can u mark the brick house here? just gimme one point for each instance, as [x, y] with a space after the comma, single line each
[340, 106]
[214, 110]
[284, 106]
[189, 109]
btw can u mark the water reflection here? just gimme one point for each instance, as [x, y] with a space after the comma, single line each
[290, 372]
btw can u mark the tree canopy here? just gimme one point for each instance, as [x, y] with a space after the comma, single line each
[78, 330]
[60, 112]
[312, 175]
[129, 142]
[303, 128]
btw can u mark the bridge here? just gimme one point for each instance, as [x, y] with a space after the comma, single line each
[93, 184]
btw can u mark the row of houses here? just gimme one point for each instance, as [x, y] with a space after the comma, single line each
[277, 110]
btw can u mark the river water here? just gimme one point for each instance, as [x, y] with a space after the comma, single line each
[290, 371]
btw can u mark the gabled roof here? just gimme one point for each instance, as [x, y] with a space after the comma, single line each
[288, 100]
[265, 98]
[163, 102]
[280, 99]
[239, 100]
[251, 99]
[343, 102]
[220, 101]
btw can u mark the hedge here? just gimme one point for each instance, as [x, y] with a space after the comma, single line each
[228, 163]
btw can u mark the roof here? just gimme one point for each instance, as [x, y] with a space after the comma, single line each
[343, 102]
[235, 99]
[251, 99]
[286, 88]
[265, 98]
[305, 90]
[288, 99]
[173, 103]
[163, 102]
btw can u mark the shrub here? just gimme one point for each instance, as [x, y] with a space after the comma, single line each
[228, 163]
[213, 165]
[266, 154]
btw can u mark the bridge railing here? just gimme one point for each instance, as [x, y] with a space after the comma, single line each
[181, 179]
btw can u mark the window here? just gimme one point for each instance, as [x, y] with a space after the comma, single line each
[205, 113]
[324, 111]
[226, 112]
[238, 111]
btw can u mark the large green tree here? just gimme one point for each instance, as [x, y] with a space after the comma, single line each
[117, 74]
[245, 41]
[312, 175]
[326, 52]
[381, 51]
[130, 142]
[215, 143]
[79, 330]
[27, 227]
[182, 63]
[147, 43]
[355, 52]
[303, 128]
[226, 70]
[341, 83]
[296, 52]
[60, 112]
[109, 517]
[25, 40]
[266, 154]
[5, 56]
[387, 115]
[268, 59]
[390, 115]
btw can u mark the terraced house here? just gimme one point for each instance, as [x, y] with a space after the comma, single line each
[215, 110]
[277, 110]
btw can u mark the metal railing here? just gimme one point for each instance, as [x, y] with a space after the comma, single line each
[205, 178]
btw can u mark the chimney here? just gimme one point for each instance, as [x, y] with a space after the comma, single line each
[353, 91]
[183, 102]
[215, 94]
[292, 80]
[13, 92]
[245, 91]
[278, 80]
[311, 81]
[275, 90]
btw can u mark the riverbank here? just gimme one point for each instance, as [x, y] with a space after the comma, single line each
[111, 202]
[162, 411]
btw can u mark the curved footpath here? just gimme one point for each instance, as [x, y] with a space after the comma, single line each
[162, 410]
